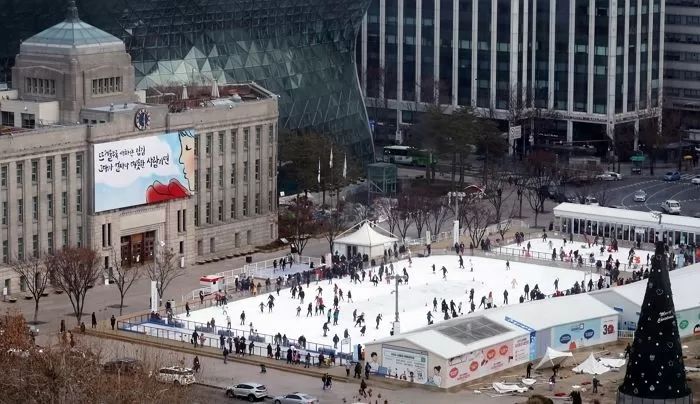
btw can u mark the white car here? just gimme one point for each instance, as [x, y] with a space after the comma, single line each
[671, 206]
[250, 391]
[640, 196]
[176, 375]
[695, 180]
[609, 176]
[295, 398]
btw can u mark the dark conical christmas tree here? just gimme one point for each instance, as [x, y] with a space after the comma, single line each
[655, 371]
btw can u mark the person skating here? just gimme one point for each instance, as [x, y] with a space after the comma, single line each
[243, 317]
[483, 302]
[379, 318]
[471, 295]
[430, 318]
[444, 273]
[350, 297]
[336, 339]
[325, 329]
[262, 306]
[527, 290]
[336, 314]
[309, 310]
[360, 319]
[298, 310]
[505, 296]
[507, 265]
[461, 262]
[472, 306]
[362, 330]
[346, 334]
[187, 309]
[435, 303]
[556, 285]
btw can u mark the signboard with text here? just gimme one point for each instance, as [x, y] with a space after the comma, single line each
[486, 361]
[405, 362]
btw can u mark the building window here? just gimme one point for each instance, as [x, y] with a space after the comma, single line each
[257, 169]
[107, 85]
[4, 213]
[104, 234]
[20, 173]
[35, 208]
[49, 168]
[245, 171]
[234, 132]
[196, 146]
[64, 236]
[249, 237]
[237, 240]
[28, 121]
[233, 208]
[221, 211]
[233, 174]
[3, 175]
[35, 170]
[207, 148]
[20, 210]
[207, 178]
[212, 245]
[179, 221]
[64, 166]
[49, 242]
[5, 252]
[35, 245]
[49, 205]
[182, 247]
[269, 201]
[79, 164]
[80, 236]
[20, 248]
[257, 203]
[270, 167]
[271, 134]
[39, 86]
[200, 247]
[184, 220]
[64, 203]
[207, 212]
[220, 145]
[245, 205]
[196, 179]
[79, 200]
[258, 135]
[221, 177]
[246, 138]
[8, 119]
[196, 215]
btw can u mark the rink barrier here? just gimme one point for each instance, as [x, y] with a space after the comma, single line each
[182, 331]
[542, 256]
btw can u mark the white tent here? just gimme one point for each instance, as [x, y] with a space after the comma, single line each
[591, 366]
[365, 240]
[553, 358]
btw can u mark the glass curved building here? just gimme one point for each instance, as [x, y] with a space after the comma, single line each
[302, 50]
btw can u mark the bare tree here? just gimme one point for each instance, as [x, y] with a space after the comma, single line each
[420, 213]
[404, 214]
[332, 225]
[32, 272]
[124, 277]
[438, 212]
[476, 215]
[163, 270]
[386, 208]
[498, 192]
[74, 270]
[297, 222]
[502, 226]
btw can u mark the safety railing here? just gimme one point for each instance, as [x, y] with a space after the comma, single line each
[542, 256]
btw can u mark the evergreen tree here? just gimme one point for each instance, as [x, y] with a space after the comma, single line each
[655, 370]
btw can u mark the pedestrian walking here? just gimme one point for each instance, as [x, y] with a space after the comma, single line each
[94, 320]
[112, 321]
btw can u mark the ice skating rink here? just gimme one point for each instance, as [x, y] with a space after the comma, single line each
[415, 298]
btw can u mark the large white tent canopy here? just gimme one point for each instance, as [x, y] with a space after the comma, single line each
[553, 358]
[367, 239]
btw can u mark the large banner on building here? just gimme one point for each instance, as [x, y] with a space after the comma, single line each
[144, 170]
[486, 361]
[688, 322]
[571, 336]
[406, 364]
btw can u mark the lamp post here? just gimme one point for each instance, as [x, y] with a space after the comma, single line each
[396, 279]
[457, 196]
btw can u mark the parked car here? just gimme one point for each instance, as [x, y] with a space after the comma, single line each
[123, 365]
[591, 200]
[672, 176]
[640, 196]
[250, 391]
[671, 206]
[696, 180]
[176, 375]
[609, 176]
[296, 398]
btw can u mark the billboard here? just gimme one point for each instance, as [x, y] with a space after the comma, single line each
[407, 364]
[688, 322]
[144, 170]
[571, 336]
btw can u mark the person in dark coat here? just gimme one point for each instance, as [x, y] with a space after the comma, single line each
[112, 321]
[94, 320]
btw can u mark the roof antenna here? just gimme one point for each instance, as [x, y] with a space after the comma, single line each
[72, 12]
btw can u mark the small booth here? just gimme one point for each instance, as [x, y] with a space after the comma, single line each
[212, 283]
[366, 240]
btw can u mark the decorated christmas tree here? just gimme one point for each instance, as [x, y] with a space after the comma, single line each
[655, 370]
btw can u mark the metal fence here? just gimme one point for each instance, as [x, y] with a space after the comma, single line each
[542, 256]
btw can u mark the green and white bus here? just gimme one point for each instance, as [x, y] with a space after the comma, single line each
[407, 155]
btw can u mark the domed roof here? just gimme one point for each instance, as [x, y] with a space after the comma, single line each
[72, 36]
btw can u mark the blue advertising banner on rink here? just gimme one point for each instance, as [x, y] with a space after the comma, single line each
[575, 335]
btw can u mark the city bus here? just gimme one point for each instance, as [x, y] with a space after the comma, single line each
[407, 155]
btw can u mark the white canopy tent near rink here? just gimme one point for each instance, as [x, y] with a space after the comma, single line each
[363, 238]
[553, 358]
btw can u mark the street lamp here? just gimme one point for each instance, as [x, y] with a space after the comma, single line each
[457, 196]
[396, 279]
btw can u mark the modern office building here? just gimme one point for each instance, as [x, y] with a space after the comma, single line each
[301, 50]
[591, 66]
[682, 64]
[86, 160]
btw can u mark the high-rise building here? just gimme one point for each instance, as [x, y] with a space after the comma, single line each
[682, 60]
[591, 66]
[301, 50]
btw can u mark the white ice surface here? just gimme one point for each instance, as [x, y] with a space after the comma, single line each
[415, 299]
[537, 245]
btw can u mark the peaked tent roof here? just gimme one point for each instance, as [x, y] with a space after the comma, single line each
[366, 236]
[553, 358]
[591, 366]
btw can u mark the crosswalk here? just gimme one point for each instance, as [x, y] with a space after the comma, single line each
[687, 176]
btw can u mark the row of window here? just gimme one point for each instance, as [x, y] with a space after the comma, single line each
[37, 86]
[35, 247]
[682, 74]
[674, 37]
[220, 174]
[682, 92]
[208, 145]
[236, 238]
[233, 215]
[683, 19]
[8, 119]
[35, 207]
[679, 56]
[19, 169]
[107, 85]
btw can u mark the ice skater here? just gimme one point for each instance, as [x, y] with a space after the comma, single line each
[379, 318]
[243, 317]
[507, 265]
[505, 296]
[461, 262]
[444, 273]
[430, 317]
[435, 303]
[514, 283]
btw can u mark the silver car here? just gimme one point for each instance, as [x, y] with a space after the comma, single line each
[640, 196]
[296, 398]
